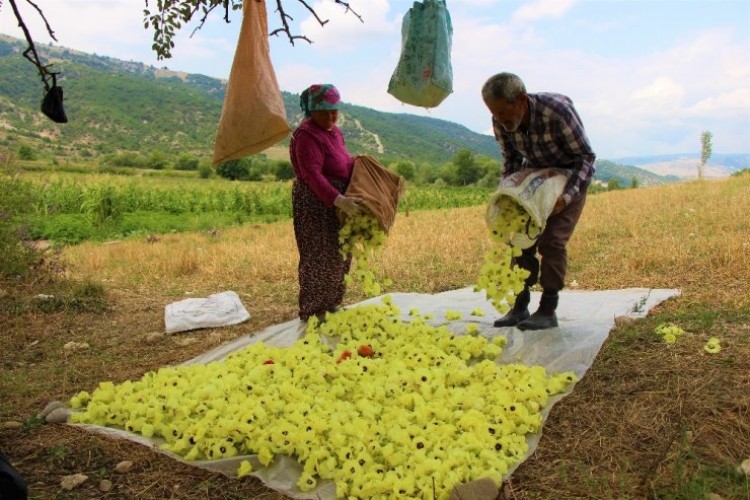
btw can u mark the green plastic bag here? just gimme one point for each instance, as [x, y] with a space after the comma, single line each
[424, 76]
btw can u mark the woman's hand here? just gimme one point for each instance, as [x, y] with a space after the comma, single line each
[348, 205]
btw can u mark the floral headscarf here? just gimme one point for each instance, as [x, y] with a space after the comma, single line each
[319, 97]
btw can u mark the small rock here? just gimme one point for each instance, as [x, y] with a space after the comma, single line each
[744, 467]
[11, 425]
[624, 320]
[105, 485]
[44, 296]
[58, 416]
[75, 346]
[52, 405]
[70, 482]
[124, 466]
[714, 496]
[185, 341]
[153, 337]
[33, 343]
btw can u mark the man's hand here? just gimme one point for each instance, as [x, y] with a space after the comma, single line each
[348, 205]
[559, 205]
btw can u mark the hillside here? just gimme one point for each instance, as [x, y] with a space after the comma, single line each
[116, 105]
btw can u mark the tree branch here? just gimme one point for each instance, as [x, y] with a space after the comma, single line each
[169, 15]
[30, 53]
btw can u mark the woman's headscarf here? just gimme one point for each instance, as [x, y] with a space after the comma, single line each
[319, 97]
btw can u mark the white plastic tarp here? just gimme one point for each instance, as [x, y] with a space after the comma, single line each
[585, 320]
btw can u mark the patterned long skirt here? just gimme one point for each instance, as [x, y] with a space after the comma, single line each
[321, 266]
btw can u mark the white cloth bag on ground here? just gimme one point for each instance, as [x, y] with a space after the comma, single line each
[219, 309]
[536, 190]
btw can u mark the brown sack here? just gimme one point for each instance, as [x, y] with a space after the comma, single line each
[253, 117]
[378, 188]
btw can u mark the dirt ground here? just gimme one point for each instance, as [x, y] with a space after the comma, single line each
[647, 421]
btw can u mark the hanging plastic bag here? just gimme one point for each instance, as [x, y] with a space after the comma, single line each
[424, 76]
[253, 117]
[52, 103]
[535, 191]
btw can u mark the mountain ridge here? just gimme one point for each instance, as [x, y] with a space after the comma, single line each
[116, 105]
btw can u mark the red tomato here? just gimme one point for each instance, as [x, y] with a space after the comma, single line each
[345, 355]
[366, 351]
[268, 362]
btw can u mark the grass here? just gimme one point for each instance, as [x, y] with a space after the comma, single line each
[648, 420]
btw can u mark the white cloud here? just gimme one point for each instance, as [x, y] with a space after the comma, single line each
[539, 9]
[660, 95]
[82, 25]
[344, 31]
[722, 105]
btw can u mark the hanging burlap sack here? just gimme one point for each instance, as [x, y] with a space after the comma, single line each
[378, 188]
[253, 117]
[536, 190]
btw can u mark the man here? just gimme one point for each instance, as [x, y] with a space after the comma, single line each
[539, 131]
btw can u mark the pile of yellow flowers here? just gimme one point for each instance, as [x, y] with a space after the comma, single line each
[499, 277]
[382, 407]
[669, 332]
[363, 238]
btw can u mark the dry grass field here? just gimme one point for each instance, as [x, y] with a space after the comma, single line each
[648, 420]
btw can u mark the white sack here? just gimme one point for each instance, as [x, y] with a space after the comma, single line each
[219, 309]
[536, 190]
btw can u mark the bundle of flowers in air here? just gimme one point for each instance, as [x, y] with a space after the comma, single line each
[395, 410]
[362, 236]
[499, 277]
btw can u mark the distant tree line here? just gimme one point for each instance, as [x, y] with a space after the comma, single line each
[465, 168]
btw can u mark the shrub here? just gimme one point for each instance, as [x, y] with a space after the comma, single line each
[158, 160]
[284, 170]
[205, 170]
[16, 200]
[26, 153]
[233, 169]
[186, 161]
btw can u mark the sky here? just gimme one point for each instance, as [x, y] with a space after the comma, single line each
[646, 76]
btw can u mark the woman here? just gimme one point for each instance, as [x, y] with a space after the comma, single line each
[323, 168]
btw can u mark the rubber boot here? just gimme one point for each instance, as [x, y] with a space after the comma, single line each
[545, 316]
[519, 312]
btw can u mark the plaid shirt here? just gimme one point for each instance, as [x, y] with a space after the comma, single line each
[555, 138]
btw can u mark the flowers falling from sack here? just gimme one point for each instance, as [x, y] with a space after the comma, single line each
[395, 410]
[363, 238]
[499, 277]
[669, 332]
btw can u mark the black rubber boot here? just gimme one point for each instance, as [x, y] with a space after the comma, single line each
[519, 312]
[12, 485]
[545, 316]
